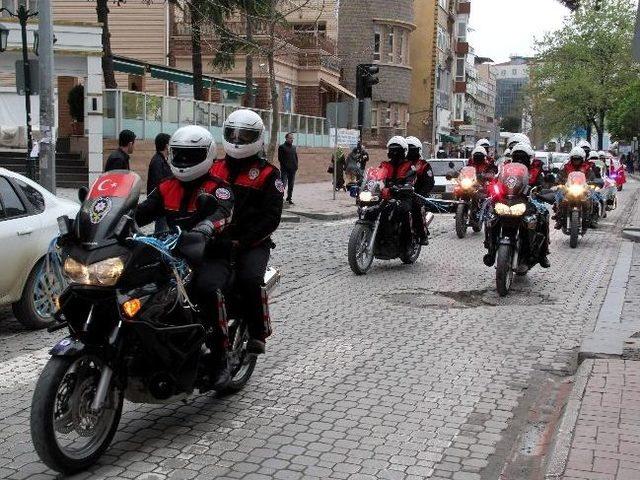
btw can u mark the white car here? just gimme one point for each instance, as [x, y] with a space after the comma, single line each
[28, 223]
[443, 187]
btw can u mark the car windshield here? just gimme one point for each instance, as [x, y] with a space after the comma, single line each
[442, 167]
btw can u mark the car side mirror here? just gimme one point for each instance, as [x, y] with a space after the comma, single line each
[83, 193]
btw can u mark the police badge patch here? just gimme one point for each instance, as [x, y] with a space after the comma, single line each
[511, 182]
[280, 185]
[223, 194]
[99, 209]
[254, 173]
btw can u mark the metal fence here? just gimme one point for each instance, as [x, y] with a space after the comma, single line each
[147, 115]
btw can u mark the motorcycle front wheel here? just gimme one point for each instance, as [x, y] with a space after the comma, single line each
[462, 216]
[67, 434]
[359, 259]
[575, 225]
[412, 254]
[242, 363]
[504, 269]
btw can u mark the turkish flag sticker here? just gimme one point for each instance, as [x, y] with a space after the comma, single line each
[113, 185]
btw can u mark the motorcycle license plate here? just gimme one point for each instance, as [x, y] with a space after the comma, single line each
[436, 195]
[450, 188]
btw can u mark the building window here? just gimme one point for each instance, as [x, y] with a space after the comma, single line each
[444, 4]
[459, 107]
[376, 46]
[316, 29]
[443, 39]
[390, 44]
[514, 71]
[374, 117]
[462, 31]
[401, 52]
[460, 67]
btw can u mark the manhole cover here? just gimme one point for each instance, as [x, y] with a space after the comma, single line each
[465, 299]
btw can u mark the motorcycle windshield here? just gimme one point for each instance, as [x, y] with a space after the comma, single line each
[112, 195]
[576, 178]
[467, 173]
[374, 180]
[514, 177]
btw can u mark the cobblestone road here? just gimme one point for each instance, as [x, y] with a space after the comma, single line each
[410, 372]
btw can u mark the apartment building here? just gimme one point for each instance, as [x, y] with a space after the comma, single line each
[511, 79]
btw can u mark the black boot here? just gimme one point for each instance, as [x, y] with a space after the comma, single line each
[255, 346]
[544, 262]
[221, 373]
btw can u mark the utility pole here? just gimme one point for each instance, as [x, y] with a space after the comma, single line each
[47, 101]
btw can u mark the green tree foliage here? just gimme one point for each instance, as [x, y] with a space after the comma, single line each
[510, 124]
[624, 118]
[581, 68]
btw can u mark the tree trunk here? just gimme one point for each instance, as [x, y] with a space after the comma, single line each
[588, 128]
[196, 51]
[102, 12]
[248, 70]
[600, 129]
[275, 101]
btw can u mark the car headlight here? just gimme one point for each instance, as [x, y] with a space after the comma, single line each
[576, 190]
[367, 197]
[105, 273]
[466, 183]
[507, 211]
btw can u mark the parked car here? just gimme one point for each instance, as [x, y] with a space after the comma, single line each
[441, 167]
[28, 223]
[558, 160]
[545, 158]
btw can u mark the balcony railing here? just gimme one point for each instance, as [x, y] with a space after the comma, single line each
[148, 115]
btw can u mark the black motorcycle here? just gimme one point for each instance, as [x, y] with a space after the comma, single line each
[468, 195]
[513, 232]
[134, 332]
[378, 233]
[580, 207]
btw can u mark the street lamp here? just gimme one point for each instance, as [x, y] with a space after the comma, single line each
[23, 15]
[4, 38]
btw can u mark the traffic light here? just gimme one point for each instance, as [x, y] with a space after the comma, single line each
[366, 77]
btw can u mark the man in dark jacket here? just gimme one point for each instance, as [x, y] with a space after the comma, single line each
[288, 158]
[159, 169]
[119, 160]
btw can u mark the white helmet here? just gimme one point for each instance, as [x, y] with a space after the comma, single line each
[415, 143]
[483, 142]
[400, 141]
[593, 155]
[523, 147]
[577, 152]
[507, 152]
[479, 149]
[243, 134]
[518, 138]
[584, 144]
[601, 154]
[192, 151]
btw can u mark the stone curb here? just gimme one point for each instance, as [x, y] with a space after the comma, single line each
[562, 445]
[632, 234]
[290, 219]
[328, 216]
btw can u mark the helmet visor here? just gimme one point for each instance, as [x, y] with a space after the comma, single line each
[182, 157]
[241, 136]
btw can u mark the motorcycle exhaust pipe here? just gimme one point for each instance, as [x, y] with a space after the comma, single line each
[428, 218]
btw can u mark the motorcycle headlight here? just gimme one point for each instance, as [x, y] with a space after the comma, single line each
[367, 197]
[519, 209]
[105, 273]
[576, 190]
[502, 209]
[466, 183]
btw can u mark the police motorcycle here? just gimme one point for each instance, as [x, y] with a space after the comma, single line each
[378, 231]
[580, 206]
[133, 331]
[467, 193]
[512, 231]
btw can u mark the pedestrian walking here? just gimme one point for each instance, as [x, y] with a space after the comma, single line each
[119, 159]
[338, 164]
[159, 169]
[630, 165]
[288, 158]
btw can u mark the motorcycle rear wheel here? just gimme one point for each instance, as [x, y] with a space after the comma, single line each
[359, 259]
[504, 269]
[462, 216]
[411, 257]
[574, 228]
[61, 406]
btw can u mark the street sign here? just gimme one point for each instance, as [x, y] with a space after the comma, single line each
[34, 74]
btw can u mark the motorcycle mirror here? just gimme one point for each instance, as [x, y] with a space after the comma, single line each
[83, 192]
[555, 170]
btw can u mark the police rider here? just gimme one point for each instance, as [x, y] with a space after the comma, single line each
[425, 182]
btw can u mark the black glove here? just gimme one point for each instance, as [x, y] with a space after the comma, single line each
[191, 246]
[205, 228]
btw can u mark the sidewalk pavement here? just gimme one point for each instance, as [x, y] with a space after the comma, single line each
[606, 434]
[315, 200]
[599, 435]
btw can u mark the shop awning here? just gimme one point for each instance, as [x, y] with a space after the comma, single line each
[444, 138]
[129, 66]
[136, 67]
[339, 88]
